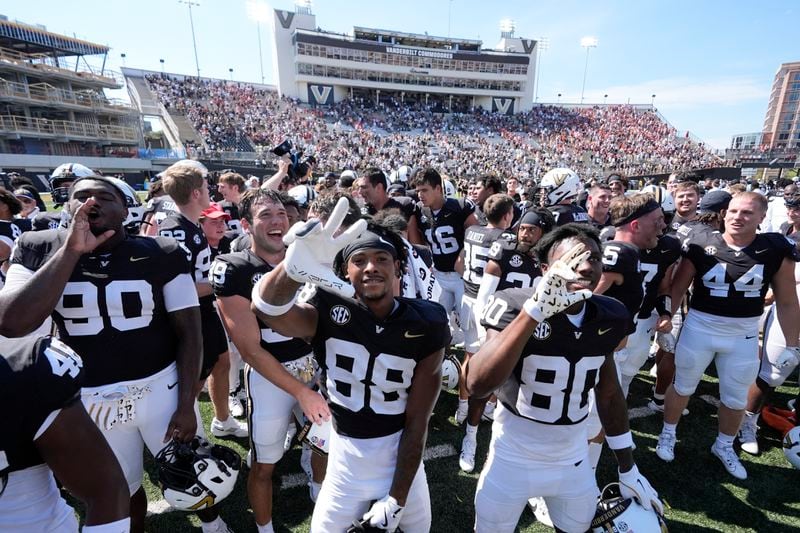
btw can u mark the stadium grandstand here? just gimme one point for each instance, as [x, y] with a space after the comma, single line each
[53, 106]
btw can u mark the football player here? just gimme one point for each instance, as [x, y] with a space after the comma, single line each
[512, 262]
[189, 189]
[547, 347]
[372, 188]
[53, 435]
[382, 359]
[639, 221]
[440, 223]
[774, 367]
[61, 180]
[731, 273]
[231, 186]
[499, 210]
[597, 204]
[687, 196]
[280, 370]
[558, 191]
[129, 307]
[618, 185]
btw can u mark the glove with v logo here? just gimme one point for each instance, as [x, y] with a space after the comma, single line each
[551, 295]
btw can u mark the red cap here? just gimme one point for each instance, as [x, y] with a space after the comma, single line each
[215, 211]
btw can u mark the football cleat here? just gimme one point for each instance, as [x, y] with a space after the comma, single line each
[235, 406]
[665, 449]
[729, 460]
[539, 509]
[748, 434]
[467, 459]
[229, 428]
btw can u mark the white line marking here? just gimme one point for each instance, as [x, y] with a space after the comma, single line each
[159, 507]
[438, 452]
[639, 412]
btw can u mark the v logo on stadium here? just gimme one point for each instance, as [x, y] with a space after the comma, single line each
[321, 93]
[527, 45]
[503, 105]
[285, 18]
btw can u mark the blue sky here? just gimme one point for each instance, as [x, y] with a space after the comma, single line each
[710, 63]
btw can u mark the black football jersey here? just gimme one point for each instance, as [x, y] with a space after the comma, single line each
[478, 240]
[369, 363]
[159, 208]
[560, 362]
[676, 222]
[234, 224]
[654, 264]
[192, 240]
[50, 220]
[38, 376]
[731, 282]
[623, 258]
[518, 269]
[10, 230]
[235, 274]
[566, 213]
[112, 309]
[444, 230]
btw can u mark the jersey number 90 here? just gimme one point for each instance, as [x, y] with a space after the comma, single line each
[84, 306]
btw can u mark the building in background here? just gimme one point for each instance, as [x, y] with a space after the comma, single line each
[53, 107]
[782, 123]
[746, 141]
[373, 65]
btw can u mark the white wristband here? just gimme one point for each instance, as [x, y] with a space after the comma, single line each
[533, 310]
[120, 526]
[619, 442]
[267, 308]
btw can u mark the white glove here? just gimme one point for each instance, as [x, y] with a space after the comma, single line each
[666, 341]
[789, 356]
[551, 295]
[384, 514]
[312, 248]
[632, 484]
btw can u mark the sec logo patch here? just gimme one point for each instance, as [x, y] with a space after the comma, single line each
[542, 331]
[340, 315]
[516, 261]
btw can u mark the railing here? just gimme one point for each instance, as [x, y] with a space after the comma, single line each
[757, 154]
[40, 65]
[66, 128]
[161, 153]
[42, 92]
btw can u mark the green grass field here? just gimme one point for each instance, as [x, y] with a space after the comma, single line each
[699, 495]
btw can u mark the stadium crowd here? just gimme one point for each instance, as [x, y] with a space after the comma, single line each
[358, 134]
[342, 300]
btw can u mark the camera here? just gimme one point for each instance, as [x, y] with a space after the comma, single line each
[297, 168]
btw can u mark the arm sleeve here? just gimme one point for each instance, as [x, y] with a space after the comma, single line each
[180, 293]
[17, 276]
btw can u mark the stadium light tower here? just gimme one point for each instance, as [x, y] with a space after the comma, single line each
[542, 44]
[652, 100]
[189, 3]
[588, 43]
[258, 11]
[507, 27]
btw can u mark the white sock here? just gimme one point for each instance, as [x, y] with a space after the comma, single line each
[657, 396]
[724, 440]
[669, 428]
[472, 431]
[595, 450]
[266, 528]
[752, 417]
[463, 404]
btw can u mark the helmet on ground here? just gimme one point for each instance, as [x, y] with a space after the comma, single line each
[451, 372]
[791, 446]
[559, 184]
[196, 475]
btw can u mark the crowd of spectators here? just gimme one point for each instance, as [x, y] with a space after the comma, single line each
[355, 134]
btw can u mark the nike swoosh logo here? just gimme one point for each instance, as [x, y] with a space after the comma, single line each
[134, 259]
[750, 337]
[603, 331]
[170, 387]
[760, 251]
[409, 335]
